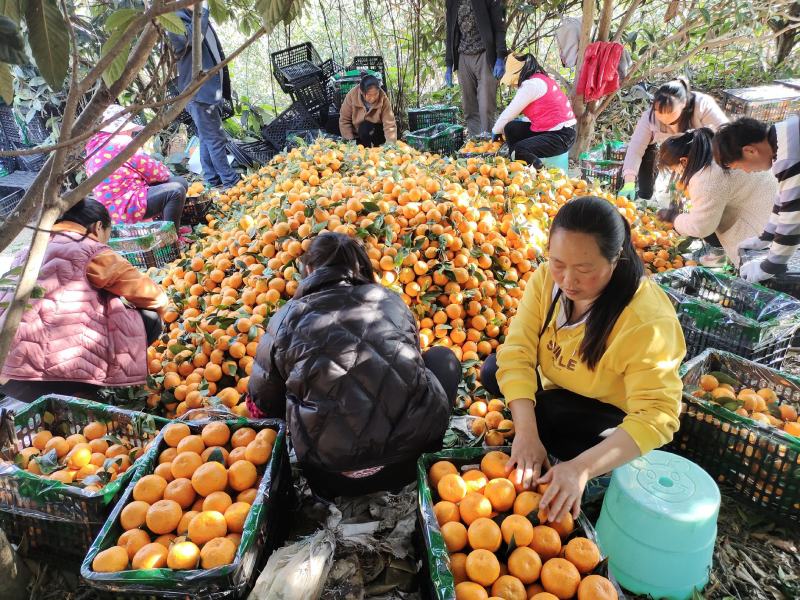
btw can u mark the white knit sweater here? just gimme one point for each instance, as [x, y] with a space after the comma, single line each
[733, 204]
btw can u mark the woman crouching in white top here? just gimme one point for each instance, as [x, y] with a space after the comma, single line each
[733, 204]
[675, 109]
[550, 129]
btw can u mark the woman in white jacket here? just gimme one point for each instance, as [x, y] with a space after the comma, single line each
[675, 109]
[733, 204]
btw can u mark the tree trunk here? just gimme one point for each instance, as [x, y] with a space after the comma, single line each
[585, 133]
[786, 41]
[785, 44]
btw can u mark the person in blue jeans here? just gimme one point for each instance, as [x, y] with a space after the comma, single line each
[204, 107]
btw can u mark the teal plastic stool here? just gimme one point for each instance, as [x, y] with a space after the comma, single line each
[557, 162]
[658, 525]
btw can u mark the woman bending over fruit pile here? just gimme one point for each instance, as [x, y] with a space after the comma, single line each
[590, 364]
[142, 188]
[341, 362]
[94, 321]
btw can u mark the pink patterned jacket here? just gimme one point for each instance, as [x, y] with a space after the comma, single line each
[124, 192]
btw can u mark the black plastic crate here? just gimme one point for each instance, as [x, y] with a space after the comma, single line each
[603, 165]
[788, 283]
[426, 116]
[329, 67]
[727, 313]
[30, 162]
[607, 173]
[8, 164]
[295, 63]
[252, 155]
[370, 63]
[36, 130]
[54, 520]
[313, 93]
[294, 117]
[754, 458]
[10, 197]
[8, 124]
[195, 209]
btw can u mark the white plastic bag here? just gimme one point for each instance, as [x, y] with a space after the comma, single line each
[298, 571]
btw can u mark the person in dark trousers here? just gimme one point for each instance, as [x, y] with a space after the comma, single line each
[95, 319]
[476, 50]
[589, 367]
[366, 115]
[675, 109]
[142, 187]
[205, 105]
[550, 126]
[341, 362]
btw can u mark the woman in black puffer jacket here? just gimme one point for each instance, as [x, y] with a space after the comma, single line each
[342, 362]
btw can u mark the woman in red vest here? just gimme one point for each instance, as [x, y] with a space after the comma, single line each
[550, 126]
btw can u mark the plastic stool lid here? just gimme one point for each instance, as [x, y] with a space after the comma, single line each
[671, 485]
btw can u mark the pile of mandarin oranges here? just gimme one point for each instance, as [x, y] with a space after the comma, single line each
[458, 239]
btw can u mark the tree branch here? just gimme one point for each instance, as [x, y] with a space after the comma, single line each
[167, 117]
[197, 40]
[132, 30]
[632, 8]
[606, 14]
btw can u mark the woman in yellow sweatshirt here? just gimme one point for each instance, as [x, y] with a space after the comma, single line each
[590, 364]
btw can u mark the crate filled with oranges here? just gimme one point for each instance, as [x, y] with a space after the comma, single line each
[486, 537]
[63, 463]
[740, 423]
[197, 204]
[203, 512]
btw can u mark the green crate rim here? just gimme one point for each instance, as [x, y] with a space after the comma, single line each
[152, 581]
[30, 484]
[437, 556]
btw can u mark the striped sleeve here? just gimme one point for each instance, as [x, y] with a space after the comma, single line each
[786, 169]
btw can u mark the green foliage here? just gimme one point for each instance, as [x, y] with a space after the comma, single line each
[172, 23]
[12, 49]
[49, 41]
[6, 84]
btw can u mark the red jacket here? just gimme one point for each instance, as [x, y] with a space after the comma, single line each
[599, 75]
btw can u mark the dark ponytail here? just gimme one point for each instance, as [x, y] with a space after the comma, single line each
[694, 146]
[87, 211]
[672, 93]
[529, 69]
[341, 251]
[612, 233]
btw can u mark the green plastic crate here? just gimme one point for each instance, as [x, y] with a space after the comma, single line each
[263, 531]
[50, 518]
[436, 564]
[759, 463]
